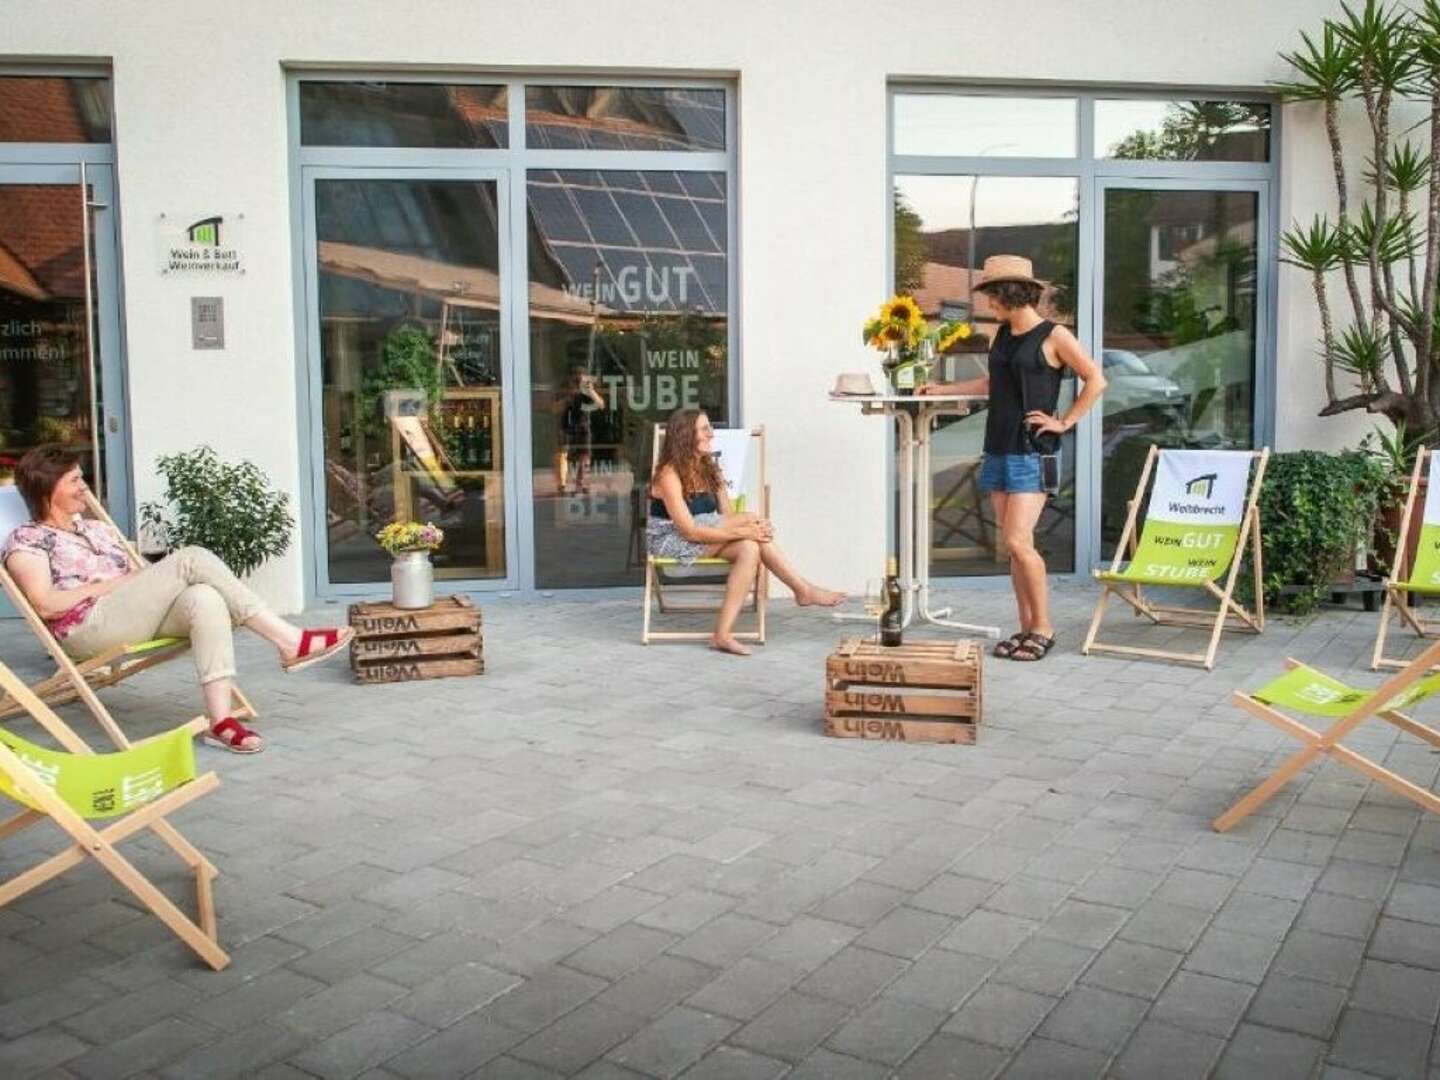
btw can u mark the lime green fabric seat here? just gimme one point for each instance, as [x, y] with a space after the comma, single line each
[1304, 690]
[105, 785]
[153, 644]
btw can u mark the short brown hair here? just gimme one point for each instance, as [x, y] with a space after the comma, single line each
[39, 471]
[1012, 294]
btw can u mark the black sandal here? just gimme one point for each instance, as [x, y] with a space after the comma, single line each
[1006, 649]
[1034, 647]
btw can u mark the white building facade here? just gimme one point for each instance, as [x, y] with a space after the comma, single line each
[452, 261]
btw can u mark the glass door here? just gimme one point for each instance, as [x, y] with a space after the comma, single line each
[60, 375]
[407, 302]
[1178, 332]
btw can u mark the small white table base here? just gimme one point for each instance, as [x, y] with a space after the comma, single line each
[915, 419]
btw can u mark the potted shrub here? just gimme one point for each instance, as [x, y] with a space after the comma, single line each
[231, 510]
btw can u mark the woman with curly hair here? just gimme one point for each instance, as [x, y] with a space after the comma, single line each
[691, 518]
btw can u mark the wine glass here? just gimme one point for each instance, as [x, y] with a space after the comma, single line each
[875, 601]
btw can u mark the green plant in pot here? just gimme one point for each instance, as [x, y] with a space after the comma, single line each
[408, 361]
[229, 509]
[1315, 510]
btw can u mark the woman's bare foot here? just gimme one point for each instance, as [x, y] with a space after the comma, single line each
[728, 645]
[814, 596]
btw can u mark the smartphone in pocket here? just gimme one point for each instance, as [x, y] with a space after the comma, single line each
[1050, 473]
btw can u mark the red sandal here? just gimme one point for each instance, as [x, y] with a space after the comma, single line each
[231, 734]
[317, 645]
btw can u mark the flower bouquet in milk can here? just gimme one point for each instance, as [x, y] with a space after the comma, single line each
[412, 577]
[909, 344]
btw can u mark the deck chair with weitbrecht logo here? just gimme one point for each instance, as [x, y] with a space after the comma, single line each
[1202, 522]
[81, 678]
[1312, 693]
[1417, 573]
[674, 588]
[136, 789]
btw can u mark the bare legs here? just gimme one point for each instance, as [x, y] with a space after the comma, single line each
[1017, 513]
[743, 555]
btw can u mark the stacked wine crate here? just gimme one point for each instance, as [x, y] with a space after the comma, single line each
[921, 691]
[397, 645]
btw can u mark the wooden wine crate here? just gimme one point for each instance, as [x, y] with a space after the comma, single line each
[396, 645]
[921, 691]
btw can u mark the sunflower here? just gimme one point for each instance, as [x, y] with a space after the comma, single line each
[902, 309]
[894, 332]
[956, 332]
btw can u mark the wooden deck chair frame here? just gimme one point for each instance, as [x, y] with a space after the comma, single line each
[1229, 613]
[664, 596]
[1397, 586]
[1327, 743]
[99, 844]
[81, 678]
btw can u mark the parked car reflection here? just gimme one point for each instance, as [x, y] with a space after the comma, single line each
[1134, 387]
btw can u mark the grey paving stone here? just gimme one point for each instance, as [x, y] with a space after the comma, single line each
[686, 912]
[36, 1051]
[1357, 879]
[1330, 913]
[455, 993]
[886, 1030]
[744, 990]
[148, 1048]
[1263, 1052]
[456, 1051]
[248, 1004]
[1297, 1005]
[1029, 898]
[951, 894]
[373, 1040]
[620, 951]
[1252, 913]
[1414, 903]
[1131, 968]
[323, 1014]
[1320, 956]
[791, 1027]
[540, 946]
[723, 940]
[989, 933]
[1195, 888]
[825, 1064]
[905, 932]
[670, 1044]
[509, 1068]
[37, 1010]
[123, 1015]
[655, 987]
[948, 1057]
[1203, 1003]
[1228, 955]
[433, 957]
[731, 1063]
[1094, 1018]
[1118, 887]
[1000, 1015]
[1043, 1059]
[1290, 845]
[578, 1038]
[350, 955]
[854, 975]
[1166, 926]
[1381, 1044]
[1406, 943]
[244, 1052]
[613, 908]
[861, 903]
[543, 999]
[1157, 1049]
[1061, 863]
[1081, 923]
[941, 980]
[1044, 966]
[1398, 990]
[806, 943]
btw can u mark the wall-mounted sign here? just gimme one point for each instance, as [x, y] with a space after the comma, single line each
[204, 243]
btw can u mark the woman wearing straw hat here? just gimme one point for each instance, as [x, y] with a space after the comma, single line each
[1028, 358]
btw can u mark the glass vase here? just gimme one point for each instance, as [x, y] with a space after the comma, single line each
[412, 580]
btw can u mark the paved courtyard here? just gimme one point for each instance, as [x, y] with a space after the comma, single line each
[612, 861]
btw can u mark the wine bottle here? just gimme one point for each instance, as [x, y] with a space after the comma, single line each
[892, 619]
[905, 379]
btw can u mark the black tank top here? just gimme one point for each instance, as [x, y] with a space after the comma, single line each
[1014, 357]
[702, 502]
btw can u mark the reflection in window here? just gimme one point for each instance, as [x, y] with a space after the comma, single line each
[1182, 130]
[945, 227]
[410, 347]
[463, 116]
[1178, 347]
[628, 321]
[624, 118]
[54, 109]
[974, 125]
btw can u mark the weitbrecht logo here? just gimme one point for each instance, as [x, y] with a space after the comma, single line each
[1202, 486]
[205, 231]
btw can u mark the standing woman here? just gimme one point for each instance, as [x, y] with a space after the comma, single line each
[1028, 358]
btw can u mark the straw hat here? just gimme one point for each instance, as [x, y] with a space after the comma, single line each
[853, 383]
[1006, 268]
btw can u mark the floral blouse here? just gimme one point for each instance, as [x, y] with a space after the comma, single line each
[94, 552]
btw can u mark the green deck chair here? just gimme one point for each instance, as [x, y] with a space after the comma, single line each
[140, 786]
[1203, 519]
[1312, 693]
[80, 679]
[1415, 572]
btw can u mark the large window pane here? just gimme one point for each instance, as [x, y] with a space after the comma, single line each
[945, 226]
[1178, 331]
[54, 109]
[628, 321]
[973, 125]
[463, 116]
[1183, 130]
[624, 118]
[409, 277]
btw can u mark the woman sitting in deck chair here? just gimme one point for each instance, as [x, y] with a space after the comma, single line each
[76, 575]
[691, 518]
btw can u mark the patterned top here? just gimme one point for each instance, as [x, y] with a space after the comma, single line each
[93, 553]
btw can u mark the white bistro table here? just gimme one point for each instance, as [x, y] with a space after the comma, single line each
[915, 420]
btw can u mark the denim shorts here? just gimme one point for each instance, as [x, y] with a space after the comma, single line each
[1011, 473]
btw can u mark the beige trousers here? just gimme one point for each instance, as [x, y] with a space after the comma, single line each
[190, 593]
